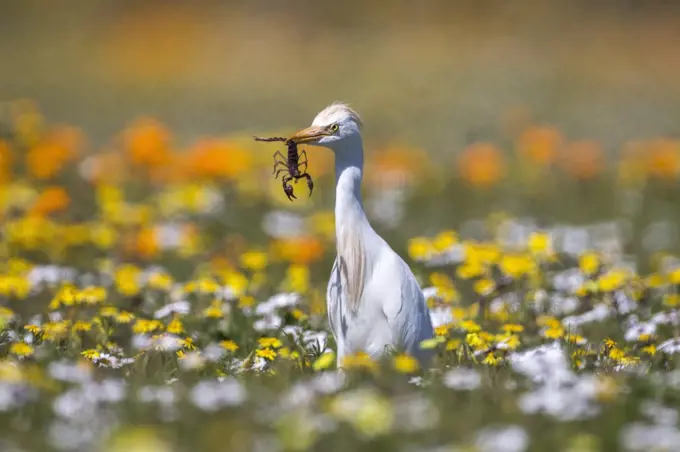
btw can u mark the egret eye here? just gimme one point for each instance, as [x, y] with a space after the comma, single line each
[334, 128]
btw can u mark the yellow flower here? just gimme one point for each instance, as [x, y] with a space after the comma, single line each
[246, 301]
[510, 342]
[188, 343]
[297, 278]
[299, 315]
[214, 311]
[142, 326]
[81, 325]
[420, 248]
[124, 317]
[616, 354]
[254, 260]
[554, 332]
[445, 240]
[609, 342]
[470, 326]
[453, 344]
[645, 337]
[549, 321]
[35, 329]
[576, 339]
[655, 280]
[324, 361]
[266, 353]
[445, 287]
[359, 360]
[103, 235]
[429, 344]
[91, 295]
[516, 266]
[21, 349]
[265, 342]
[440, 280]
[611, 280]
[513, 328]
[90, 354]
[126, 278]
[540, 244]
[208, 286]
[484, 286]
[586, 288]
[175, 327]
[674, 276]
[108, 311]
[491, 359]
[481, 253]
[55, 331]
[160, 281]
[650, 350]
[442, 330]
[66, 296]
[15, 286]
[671, 299]
[405, 364]
[470, 270]
[475, 341]
[229, 345]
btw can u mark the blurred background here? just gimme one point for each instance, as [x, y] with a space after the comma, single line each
[559, 110]
[434, 73]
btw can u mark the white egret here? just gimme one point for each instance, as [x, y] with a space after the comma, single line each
[374, 301]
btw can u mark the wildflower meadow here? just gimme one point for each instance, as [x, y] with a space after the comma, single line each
[160, 293]
[141, 310]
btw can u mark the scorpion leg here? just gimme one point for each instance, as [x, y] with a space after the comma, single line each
[278, 169]
[288, 189]
[310, 182]
[277, 161]
[304, 162]
[276, 176]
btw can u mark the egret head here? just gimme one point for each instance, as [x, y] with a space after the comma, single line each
[334, 125]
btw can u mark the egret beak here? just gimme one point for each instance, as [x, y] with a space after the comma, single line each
[310, 134]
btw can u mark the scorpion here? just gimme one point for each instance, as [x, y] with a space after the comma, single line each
[291, 165]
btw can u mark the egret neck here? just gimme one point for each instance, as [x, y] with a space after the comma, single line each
[349, 166]
[352, 230]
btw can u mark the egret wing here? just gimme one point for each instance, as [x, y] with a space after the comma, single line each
[407, 312]
[334, 307]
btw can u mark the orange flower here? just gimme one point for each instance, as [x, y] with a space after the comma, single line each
[298, 250]
[147, 143]
[540, 144]
[396, 166]
[5, 162]
[53, 199]
[146, 243]
[663, 159]
[481, 165]
[583, 159]
[218, 159]
[47, 159]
